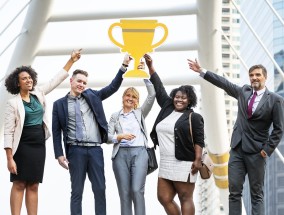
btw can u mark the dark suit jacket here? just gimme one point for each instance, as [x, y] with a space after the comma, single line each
[94, 98]
[184, 149]
[253, 133]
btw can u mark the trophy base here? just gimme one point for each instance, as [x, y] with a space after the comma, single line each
[136, 73]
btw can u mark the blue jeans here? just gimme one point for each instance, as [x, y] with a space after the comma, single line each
[130, 170]
[83, 161]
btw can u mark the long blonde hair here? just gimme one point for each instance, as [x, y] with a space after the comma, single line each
[133, 91]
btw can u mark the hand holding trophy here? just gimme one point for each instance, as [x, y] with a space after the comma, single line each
[137, 37]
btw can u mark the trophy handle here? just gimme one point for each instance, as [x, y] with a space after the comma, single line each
[110, 34]
[164, 37]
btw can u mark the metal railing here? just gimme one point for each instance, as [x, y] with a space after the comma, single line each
[9, 44]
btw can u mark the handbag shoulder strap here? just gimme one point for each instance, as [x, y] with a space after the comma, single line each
[190, 127]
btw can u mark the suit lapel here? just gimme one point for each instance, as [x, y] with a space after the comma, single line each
[183, 117]
[64, 106]
[118, 121]
[38, 96]
[21, 109]
[247, 95]
[262, 100]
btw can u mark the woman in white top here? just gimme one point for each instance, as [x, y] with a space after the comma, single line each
[180, 158]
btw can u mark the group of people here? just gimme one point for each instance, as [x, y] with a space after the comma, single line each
[79, 128]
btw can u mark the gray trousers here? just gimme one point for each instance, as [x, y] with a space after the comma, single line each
[130, 170]
[240, 164]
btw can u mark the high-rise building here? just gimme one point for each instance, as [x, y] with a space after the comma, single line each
[231, 69]
[230, 25]
[230, 60]
[276, 178]
[270, 31]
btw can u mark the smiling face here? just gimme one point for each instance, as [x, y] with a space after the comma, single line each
[130, 99]
[257, 79]
[78, 84]
[25, 81]
[181, 101]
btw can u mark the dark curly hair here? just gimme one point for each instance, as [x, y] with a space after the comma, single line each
[12, 81]
[189, 91]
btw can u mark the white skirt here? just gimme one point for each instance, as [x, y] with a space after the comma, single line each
[171, 168]
[176, 170]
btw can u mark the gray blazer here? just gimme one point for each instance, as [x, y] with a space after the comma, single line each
[254, 133]
[114, 125]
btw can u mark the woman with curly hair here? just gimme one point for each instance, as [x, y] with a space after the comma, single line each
[25, 132]
[180, 158]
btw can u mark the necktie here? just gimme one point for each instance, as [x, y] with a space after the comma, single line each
[251, 104]
[78, 118]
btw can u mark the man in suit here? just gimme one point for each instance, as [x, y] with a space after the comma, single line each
[251, 141]
[84, 130]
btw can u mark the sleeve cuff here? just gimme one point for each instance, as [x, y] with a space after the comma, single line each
[203, 72]
[123, 68]
[147, 82]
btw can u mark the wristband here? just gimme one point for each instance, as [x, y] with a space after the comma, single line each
[125, 65]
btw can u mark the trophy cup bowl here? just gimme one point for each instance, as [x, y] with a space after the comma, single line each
[137, 38]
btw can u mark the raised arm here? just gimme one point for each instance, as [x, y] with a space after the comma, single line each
[149, 101]
[116, 82]
[194, 65]
[215, 79]
[62, 74]
[75, 56]
[161, 93]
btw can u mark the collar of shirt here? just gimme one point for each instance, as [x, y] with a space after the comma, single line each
[259, 92]
[125, 114]
[74, 97]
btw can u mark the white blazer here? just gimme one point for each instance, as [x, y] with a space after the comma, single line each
[15, 112]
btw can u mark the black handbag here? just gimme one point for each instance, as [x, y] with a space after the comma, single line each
[152, 161]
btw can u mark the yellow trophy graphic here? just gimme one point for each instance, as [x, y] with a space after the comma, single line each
[137, 37]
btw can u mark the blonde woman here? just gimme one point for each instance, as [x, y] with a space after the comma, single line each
[127, 131]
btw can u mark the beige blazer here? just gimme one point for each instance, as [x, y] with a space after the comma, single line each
[15, 112]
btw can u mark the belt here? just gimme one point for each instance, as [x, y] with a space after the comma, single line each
[84, 144]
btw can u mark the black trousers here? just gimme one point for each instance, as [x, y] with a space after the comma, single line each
[240, 165]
